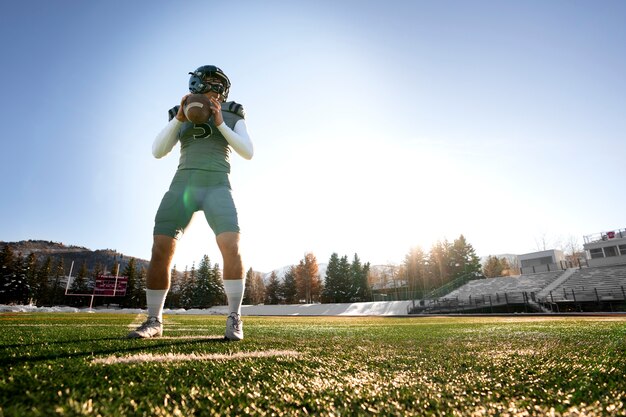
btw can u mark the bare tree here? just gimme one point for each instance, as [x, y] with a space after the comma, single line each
[573, 251]
[542, 242]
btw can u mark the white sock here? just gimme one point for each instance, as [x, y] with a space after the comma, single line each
[234, 289]
[156, 300]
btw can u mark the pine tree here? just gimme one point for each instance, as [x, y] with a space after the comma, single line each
[247, 291]
[201, 291]
[31, 276]
[13, 277]
[97, 271]
[289, 289]
[184, 290]
[344, 289]
[367, 289]
[174, 280]
[217, 286]
[5, 254]
[273, 290]
[330, 294]
[7, 257]
[7, 274]
[173, 297]
[358, 280]
[463, 260]
[203, 288]
[21, 289]
[134, 294]
[58, 273]
[193, 276]
[190, 287]
[79, 284]
[141, 287]
[42, 290]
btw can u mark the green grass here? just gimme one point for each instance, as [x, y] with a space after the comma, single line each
[344, 366]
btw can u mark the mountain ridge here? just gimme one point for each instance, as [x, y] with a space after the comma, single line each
[108, 258]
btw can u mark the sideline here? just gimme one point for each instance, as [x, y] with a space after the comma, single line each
[365, 309]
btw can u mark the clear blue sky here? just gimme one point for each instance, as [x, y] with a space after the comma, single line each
[377, 126]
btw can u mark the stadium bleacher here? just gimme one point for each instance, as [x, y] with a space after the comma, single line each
[545, 291]
[530, 283]
[603, 283]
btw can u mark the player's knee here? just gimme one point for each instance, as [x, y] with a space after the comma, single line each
[230, 250]
[162, 248]
[228, 244]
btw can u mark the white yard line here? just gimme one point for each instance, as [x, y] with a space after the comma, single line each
[189, 337]
[139, 318]
[177, 357]
[58, 325]
[167, 329]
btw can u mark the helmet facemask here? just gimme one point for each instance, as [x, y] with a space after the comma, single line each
[199, 81]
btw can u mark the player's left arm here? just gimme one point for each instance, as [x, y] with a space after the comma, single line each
[238, 138]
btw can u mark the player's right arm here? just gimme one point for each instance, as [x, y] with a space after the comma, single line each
[167, 138]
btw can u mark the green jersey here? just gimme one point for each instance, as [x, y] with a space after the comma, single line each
[202, 146]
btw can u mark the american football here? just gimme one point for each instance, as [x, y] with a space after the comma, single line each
[197, 108]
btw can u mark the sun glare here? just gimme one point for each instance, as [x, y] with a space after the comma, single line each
[197, 241]
[377, 207]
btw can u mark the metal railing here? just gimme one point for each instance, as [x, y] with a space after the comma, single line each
[518, 300]
[450, 286]
[607, 235]
[594, 294]
[565, 299]
[562, 265]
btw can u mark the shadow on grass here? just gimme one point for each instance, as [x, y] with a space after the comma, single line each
[132, 345]
[58, 342]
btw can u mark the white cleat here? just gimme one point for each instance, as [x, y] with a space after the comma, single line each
[150, 328]
[234, 327]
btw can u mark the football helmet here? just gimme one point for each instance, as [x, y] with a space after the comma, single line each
[198, 81]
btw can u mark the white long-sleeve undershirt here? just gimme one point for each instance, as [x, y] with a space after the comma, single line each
[166, 139]
[238, 138]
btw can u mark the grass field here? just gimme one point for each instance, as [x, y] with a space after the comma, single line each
[79, 364]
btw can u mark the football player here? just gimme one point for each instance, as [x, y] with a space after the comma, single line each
[201, 183]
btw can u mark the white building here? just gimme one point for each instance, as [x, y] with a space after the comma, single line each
[606, 248]
[542, 261]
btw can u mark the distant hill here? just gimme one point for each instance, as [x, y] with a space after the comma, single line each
[109, 258]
